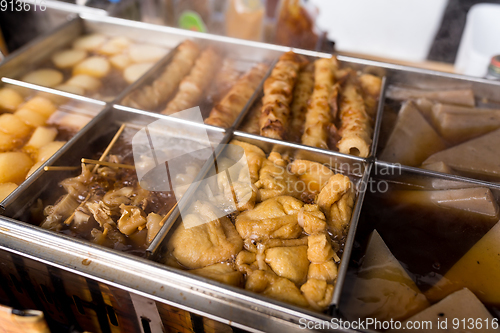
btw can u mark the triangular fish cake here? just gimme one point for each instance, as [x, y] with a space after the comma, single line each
[478, 156]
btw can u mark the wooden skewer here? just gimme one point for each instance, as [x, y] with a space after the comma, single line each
[59, 168]
[110, 164]
[72, 216]
[111, 144]
[104, 154]
[162, 222]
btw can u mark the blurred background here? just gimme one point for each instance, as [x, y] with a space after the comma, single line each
[448, 35]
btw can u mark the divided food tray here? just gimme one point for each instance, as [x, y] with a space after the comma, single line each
[160, 282]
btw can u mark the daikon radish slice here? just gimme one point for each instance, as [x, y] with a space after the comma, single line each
[14, 166]
[41, 105]
[146, 53]
[120, 61]
[133, 72]
[14, 126]
[9, 100]
[34, 168]
[44, 77]
[30, 117]
[84, 81]
[70, 89]
[93, 66]
[68, 58]
[48, 150]
[42, 136]
[6, 189]
[90, 42]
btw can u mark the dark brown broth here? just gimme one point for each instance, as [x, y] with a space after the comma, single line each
[427, 241]
[158, 202]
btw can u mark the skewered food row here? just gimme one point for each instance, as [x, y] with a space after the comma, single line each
[97, 66]
[31, 131]
[150, 96]
[283, 239]
[443, 131]
[225, 113]
[319, 104]
[191, 88]
[278, 89]
[319, 111]
[197, 77]
[106, 204]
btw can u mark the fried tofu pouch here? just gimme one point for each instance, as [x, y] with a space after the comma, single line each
[214, 241]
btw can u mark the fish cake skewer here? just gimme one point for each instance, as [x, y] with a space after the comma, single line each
[225, 113]
[301, 95]
[192, 86]
[278, 93]
[158, 92]
[319, 115]
[355, 123]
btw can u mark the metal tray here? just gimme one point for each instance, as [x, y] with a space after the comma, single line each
[103, 127]
[71, 103]
[244, 58]
[344, 63]
[91, 140]
[38, 53]
[486, 94]
[164, 284]
[402, 228]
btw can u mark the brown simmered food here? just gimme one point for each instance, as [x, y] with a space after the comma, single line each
[318, 104]
[442, 131]
[158, 92]
[107, 206]
[194, 84]
[319, 115]
[283, 243]
[278, 92]
[227, 110]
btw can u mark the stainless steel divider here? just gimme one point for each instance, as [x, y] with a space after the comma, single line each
[378, 118]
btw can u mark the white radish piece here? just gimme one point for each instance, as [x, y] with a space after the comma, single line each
[14, 166]
[48, 150]
[84, 81]
[14, 126]
[44, 77]
[6, 189]
[70, 89]
[135, 71]
[9, 100]
[93, 66]
[30, 117]
[114, 46]
[68, 58]
[120, 61]
[41, 137]
[34, 168]
[7, 142]
[41, 105]
[146, 53]
[70, 121]
[90, 42]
